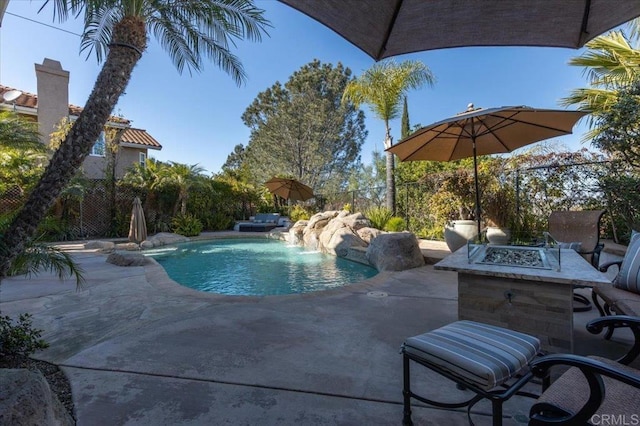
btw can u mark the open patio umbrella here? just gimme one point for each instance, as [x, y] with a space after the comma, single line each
[138, 225]
[485, 131]
[289, 189]
[394, 27]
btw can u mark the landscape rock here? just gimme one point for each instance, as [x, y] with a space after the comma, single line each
[342, 240]
[317, 222]
[338, 235]
[367, 234]
[101, 245]
[26, 400]
[127, 259]
[356, 221]
[297, 231]
[127, 246]
[162, 239]
[395, 251]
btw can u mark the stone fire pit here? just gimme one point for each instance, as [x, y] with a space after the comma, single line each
[525, 257]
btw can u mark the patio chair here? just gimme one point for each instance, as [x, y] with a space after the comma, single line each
[594, 389]
[496, 363]
[579, 230]
[623, 295]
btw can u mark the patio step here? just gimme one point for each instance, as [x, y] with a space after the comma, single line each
[433, 251]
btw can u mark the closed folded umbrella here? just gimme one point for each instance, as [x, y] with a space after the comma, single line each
[385, 28]
[138, 225]
[289, 189]
[484, 131]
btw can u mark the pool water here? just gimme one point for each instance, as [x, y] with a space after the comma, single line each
[256, 267]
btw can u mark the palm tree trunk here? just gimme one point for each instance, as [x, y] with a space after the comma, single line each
[128, 41]
[391, 184]
[390, 201]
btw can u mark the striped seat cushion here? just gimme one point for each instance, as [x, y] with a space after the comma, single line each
[629, 276]
[480, 354]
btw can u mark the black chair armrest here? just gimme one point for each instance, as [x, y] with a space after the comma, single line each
[605, 266]
[592, 370]
[596, 250]
[597, 325]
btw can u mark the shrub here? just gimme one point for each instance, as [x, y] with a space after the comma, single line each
[20, 339]
[347, 207]
[378, 216]
[395, 224]
[54, 229]
[187, 225]
[217, 222]
[298, 212]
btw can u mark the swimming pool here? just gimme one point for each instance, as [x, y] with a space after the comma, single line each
[258, 267]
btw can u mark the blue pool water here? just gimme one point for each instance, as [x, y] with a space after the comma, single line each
[256, 267]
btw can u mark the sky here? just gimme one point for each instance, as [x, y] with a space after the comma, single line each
[197, 118]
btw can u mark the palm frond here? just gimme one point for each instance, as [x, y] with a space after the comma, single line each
[38, 257]
[191, 30]
[98, 26]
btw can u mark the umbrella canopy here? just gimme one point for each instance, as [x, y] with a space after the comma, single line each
[138, 225]
[485, 131]
[394, 27]
[289, 189]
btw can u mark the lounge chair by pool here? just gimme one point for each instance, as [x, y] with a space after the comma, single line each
[263, 222]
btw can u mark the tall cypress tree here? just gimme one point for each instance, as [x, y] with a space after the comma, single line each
[405, 128]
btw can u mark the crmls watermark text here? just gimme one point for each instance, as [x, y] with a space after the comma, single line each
[615, 419]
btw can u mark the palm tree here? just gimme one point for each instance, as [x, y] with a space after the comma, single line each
[383, 87]
[184, 177]
[611, 63]
[117, 31]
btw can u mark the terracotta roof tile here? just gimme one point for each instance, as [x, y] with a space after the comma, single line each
[29, 100]
[139, 137]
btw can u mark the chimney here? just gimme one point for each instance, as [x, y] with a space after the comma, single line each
[53, 96]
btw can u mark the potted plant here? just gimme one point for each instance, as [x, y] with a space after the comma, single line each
[498, 210]
[455, 202]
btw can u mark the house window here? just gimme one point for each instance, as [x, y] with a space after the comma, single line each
[142, 158]
[98, 148]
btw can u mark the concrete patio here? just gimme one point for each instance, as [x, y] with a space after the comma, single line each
[140, 349]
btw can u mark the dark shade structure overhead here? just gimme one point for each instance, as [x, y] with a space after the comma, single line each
[384, 28]
[289, 189]
[485, 131]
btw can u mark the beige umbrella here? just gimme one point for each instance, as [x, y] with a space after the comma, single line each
[289, 189]
[138, 225]
[394, 27]
[485, 131]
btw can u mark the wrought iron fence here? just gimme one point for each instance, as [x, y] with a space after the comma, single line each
[99, 211]
[539, 191]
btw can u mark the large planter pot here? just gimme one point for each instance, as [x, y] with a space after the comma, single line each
[498, 236]
[458, 232]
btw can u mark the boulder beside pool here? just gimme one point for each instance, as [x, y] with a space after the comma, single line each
[395, 251]
[127, 259]
[163, 238]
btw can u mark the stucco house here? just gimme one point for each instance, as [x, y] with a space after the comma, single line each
[51, 104]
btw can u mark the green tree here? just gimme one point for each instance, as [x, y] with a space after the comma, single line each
[183, 177]
[383, 87]
[117, 32]
[619, 127]
[303, 130]
[17, 132]
[611, 62]
[405, 126]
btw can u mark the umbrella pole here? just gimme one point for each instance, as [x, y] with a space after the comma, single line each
[475, 175]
